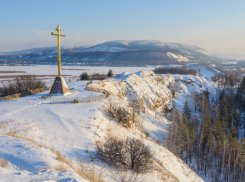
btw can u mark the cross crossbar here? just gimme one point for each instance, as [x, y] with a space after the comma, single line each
[53, 33]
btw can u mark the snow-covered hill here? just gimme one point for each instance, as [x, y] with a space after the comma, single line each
[140, 52]
[123, 45]
[44, 141]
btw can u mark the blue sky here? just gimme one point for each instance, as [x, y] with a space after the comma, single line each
[216, 25]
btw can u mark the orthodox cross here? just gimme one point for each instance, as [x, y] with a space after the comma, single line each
[58, 58]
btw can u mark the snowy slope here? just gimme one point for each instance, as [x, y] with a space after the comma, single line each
[185, 86]
[203, 71]
[155, 91]
[30, 129]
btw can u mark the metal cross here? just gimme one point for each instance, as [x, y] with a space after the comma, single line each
[58, 58]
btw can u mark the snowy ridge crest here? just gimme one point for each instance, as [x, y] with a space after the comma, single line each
[155, 92]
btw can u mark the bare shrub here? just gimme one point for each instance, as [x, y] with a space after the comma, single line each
[113, 152]
[3, 163]
[138, 123]
[126, 154]
[75, 101]
[120, 114]
[21, 84]
[98, 76]
[140, 155]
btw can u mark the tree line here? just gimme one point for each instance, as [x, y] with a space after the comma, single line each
[175, 70]
[209, 133]
[96, 76]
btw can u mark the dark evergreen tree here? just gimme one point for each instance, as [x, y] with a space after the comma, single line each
[237, 121]
[206, 93]
[110, 73]
[84, 76]
[187, 110]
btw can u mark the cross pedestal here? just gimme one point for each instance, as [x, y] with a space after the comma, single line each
[59, 86]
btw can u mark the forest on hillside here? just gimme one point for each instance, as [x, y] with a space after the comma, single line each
[208, 133]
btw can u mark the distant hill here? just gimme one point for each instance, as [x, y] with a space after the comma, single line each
[140, 52]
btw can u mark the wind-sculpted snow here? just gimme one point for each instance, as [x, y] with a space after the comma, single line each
[188, 84]
[153, 89]
[146, 85]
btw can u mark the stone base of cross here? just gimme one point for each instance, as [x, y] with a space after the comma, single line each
[59, 87]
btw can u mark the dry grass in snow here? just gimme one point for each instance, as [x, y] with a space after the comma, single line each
[3, 163]
[87, 171]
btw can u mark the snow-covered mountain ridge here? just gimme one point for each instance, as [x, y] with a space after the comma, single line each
[140, 52]
[123, 45]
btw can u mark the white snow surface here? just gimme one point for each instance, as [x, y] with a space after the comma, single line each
[207, 74]
[66, 70]
[185, 86]
[73, 129]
